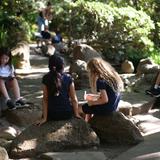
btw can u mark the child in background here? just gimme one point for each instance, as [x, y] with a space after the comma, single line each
[8, 80]
[106, 86]
[57, 41]
[47, 14]
[59, 96]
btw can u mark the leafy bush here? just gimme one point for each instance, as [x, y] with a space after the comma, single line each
[16, 19]
[155, 56]
[12, 30]
[115, 30]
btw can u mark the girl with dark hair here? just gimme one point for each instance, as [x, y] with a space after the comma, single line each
[59, 96]
[8, 80]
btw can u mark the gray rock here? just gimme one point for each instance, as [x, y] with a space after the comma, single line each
[21, 52]
[146, 66]
[53, 136]
[86, 155]
[24, 116]
[116, 128]
[78, 69]
[127, 67]
[84, 52]
[8, 133]
[3, 154]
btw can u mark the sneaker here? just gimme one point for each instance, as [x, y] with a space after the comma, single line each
[10, 105]
[20, 102]
[149, 92]
[153, 92]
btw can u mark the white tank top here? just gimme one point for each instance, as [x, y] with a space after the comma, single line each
[6, 71]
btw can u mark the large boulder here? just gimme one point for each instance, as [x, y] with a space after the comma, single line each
[127, 67]
[8, 133]
[21, 55]
[53, 136]
[78, 69]
[48, 50]
[84, 52]
[146, 66]
[24, 116]
[116, 128]
[125, 108]
[3, 154]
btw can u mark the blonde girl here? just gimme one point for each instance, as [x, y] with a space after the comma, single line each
[105, 82]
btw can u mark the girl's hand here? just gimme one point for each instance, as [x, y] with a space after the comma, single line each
[40, 122]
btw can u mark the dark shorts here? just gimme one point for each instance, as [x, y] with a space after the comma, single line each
[97, 109]
[45, 35]
[7, 79]
[60, 116]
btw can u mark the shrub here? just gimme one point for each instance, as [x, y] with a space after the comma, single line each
[12, 30]
[118, 31]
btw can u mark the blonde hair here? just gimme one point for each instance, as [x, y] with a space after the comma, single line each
[98, 68]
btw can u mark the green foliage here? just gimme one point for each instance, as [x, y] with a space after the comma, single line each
[155, 56]
[124, 30]
[14, 18]
[12, 30]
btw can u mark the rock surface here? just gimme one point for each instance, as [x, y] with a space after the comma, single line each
[54, 136]
[116, 129]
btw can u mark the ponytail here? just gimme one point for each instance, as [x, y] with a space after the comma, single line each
[54, 83]
[56, 66]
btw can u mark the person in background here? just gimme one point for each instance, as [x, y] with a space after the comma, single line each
[58, 37]
[46, 34]
[41, 27]
[106, 86]
[47, 13]
[59, 96]
[40, 22]
[155, 89]
[57, 41]
[43, 35]
[8, 80]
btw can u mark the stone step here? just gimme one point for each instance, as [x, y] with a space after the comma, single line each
[86, 155]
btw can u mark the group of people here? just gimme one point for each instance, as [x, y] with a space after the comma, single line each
[59, 96]
[43, 20]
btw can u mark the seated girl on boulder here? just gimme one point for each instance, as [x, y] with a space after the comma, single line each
[59, 96]
[8, 80]
[106, 86]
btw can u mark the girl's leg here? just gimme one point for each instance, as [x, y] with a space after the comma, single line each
[15, 87]
[88, 117]
[158, 80]
[3, 89]
[86, 112]
[80, 111]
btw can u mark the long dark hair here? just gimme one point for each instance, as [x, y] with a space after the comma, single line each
[7, 52]
[56, 66]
